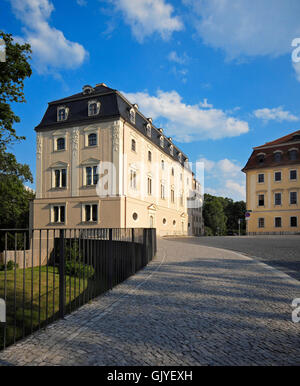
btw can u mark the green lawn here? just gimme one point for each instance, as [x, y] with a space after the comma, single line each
[24, 287]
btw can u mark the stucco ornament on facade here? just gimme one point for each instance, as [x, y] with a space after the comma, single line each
[116, 135]
[75, 140]
[39, 146]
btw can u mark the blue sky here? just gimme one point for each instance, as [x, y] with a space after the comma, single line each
[217, 75]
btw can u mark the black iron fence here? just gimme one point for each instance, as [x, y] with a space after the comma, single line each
[47, 273]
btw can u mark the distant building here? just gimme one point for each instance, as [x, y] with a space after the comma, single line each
[102, 163]
[273, 187]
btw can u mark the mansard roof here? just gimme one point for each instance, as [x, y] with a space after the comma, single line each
[113, 106]
[283, 145]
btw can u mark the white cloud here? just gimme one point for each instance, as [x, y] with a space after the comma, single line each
[185, 122]
[248, 27]
[224, 178]
[174, 57]
[275, 114]
[297, 70]
[205, 104]
[147, 17]
[51, 50]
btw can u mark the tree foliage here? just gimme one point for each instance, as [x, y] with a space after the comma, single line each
[14, 202]
[12, 74]
[221, 215]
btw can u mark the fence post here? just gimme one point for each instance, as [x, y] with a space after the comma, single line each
[133, 265]
[145, 257]
[61, 274]
[110, 261]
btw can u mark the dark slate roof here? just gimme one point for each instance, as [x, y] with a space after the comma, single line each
[113, 105]
[283, 144]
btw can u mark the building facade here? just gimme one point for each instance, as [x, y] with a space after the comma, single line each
[273, 187]
[102, 164]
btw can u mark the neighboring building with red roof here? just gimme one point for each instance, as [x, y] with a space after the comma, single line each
[273, 187]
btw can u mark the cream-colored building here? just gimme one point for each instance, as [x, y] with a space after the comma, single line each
[273, 187]
[102, 164]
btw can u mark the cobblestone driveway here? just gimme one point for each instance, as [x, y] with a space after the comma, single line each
[193, 305]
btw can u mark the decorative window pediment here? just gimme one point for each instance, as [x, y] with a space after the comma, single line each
[90, 161]
[93, 108]
[62, 113]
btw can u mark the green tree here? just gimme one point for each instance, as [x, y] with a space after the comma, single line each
[214, 216]
[12, 74]
[14, 197]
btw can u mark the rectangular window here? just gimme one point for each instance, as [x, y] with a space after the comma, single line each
[133, 179]
[261, 222]
[60, 178]
[91, 213]
[162, 191]
[261, 178]
[277, 176]
[293, 175]
[261, 200]
[277, 198]
[172, 196]
[294, 222]
[149, 186]
[58, 214]
[293, 198]
[278, 222]
[91, 175]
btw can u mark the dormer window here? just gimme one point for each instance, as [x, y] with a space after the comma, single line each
[60, 144]
[93, 108]
[278, 156]
[148, 130]
[293, 154]
[161, 141]
[172, 150]
[62, 113]
[180, 157]
[132, 115]
[261, 158]
[87, 90]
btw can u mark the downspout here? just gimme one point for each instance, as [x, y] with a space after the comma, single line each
[125, 197]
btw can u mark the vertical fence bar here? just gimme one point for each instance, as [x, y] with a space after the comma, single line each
[61, 274]
[5, 286]
[24, 271]
[15, 289]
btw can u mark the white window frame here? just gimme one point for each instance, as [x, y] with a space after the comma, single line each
[133, 179]
[83, 212]
[57, 135]
[161, 141]
[98, 105]
[148, 130]
[60, 177]
[92, 177]
[278, 171]
[59, 205]
[132, 115]
[149, 185]
[260, 174]
[59, 108]
[264, 223]
[91, 130]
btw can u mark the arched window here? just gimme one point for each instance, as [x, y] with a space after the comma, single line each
[277, 156]
[149, 156]
[261, 158]
[62, 113]
[92, 139]
[293, 154]
[133, 145]
[161, 141]
[132, 115]
[60, 144]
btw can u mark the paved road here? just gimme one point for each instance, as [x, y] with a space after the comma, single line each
[193, 305]
[281, 252]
